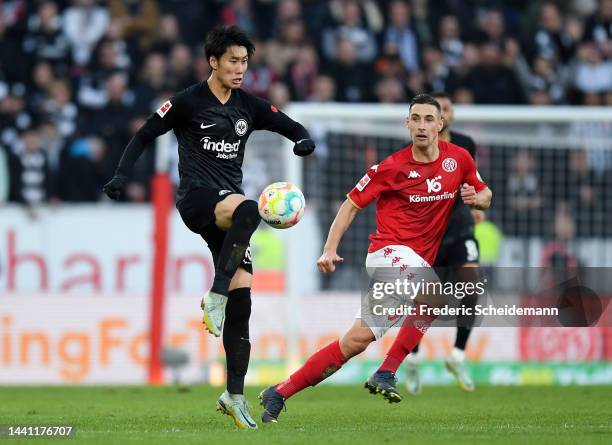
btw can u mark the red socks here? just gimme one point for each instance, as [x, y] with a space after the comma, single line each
[319, 366]
[409, 335]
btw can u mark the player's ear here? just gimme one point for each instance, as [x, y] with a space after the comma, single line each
[213, 62]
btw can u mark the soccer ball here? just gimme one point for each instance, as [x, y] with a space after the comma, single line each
[281, 205]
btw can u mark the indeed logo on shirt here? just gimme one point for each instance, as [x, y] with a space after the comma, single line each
[221, 147]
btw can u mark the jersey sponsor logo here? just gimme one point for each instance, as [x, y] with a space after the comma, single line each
[433, 185]
[241, 127]
[204, 127]
[224, 150]
[449, 165]
[363, 182]
[431, 198]
[164, 108]
[224, 192]
[413, 174]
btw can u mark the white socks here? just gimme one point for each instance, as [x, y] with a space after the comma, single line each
[458, 355]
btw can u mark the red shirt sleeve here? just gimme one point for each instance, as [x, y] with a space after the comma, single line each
[369, 188]
[471, 175]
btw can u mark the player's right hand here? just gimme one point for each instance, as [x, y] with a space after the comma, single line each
[114, 187]
[327, 262]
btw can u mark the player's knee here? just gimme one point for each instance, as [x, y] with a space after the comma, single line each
[238, 309]
[247, 213]
[354, 344]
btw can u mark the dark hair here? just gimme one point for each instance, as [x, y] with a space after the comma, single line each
[222, 37]
[425, 99]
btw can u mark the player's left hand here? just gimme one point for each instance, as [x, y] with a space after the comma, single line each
[114, 188]
[468, 194]
[304, 147]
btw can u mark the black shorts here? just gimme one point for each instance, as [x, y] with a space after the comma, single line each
[457, 253]
[197, 209]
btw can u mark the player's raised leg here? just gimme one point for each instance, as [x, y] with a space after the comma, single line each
[237, 349]
[239, 217]
[317, 368]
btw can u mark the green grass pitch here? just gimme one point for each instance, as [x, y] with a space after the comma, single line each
[324, 415]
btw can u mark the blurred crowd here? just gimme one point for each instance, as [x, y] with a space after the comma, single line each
[78, 77]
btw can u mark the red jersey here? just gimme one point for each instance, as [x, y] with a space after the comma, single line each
[414, 200]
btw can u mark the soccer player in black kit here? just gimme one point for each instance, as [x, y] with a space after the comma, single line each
[457, 261]
[212, 121]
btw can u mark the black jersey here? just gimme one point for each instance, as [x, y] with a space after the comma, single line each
[461, 223]
[212, 136]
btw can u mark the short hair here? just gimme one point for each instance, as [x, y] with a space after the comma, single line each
[425, 99]
[222, 37]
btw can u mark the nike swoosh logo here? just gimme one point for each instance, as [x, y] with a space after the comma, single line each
[204, 127]
[246, 418]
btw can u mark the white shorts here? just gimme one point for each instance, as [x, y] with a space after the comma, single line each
[389, 264]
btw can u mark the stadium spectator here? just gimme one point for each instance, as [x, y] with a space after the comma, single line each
[152, 80]
[111, 122]
[85, 24]
[390, 90]
[137, 19]
[260, 75]
[14, 118]
[45, 39]
[60, 109]
[400, 36]
[598, 28]
[180, 66]
[168, 34]
[523, 195]
[593, 74]
[449, 40]
[583, 194]
[492, 82]
[92, 91]
[29, 172]
[240, 13]
[40, 85]
[440, 77]
[279, 95]
[81, 171]
[350, 27]
[551, 39]
[302, 73]
[324, 90]
[352, 77]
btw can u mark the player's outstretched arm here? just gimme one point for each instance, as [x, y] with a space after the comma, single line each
[270, 118]
[157, 124]
[478, 201]
[328, 260]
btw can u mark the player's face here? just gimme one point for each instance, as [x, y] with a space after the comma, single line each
[424, 123]
[448, 114]
[230, 68]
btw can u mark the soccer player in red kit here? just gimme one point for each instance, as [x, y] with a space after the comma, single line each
[415, 190]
